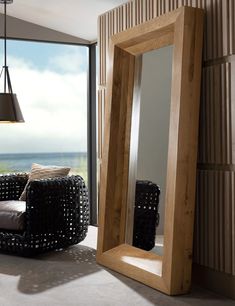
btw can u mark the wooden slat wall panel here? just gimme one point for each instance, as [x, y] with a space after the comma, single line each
[215, 217]
[219, 25]
[214, 239]
[215, 132]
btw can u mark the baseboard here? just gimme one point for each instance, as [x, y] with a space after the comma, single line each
[218, 282]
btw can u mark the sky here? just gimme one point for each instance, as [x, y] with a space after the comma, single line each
[50, 81]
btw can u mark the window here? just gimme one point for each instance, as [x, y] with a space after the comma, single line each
[50, 81]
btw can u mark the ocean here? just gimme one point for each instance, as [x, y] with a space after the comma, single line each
[21, 162]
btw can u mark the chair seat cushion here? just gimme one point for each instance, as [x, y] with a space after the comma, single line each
[12, 215]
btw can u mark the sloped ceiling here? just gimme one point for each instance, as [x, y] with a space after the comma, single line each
[74, 17]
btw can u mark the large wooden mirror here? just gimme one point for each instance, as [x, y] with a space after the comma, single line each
[179, 34]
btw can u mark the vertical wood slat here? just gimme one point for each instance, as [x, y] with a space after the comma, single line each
[201, 133]
[100, 52]
[221, 224]
[210, 219]
[233, 223]
[100, 124]
[101, 112]
[216, 222]
[232, 97]
[228, 112]
[217, 120]
[231, 26]
[227, 223]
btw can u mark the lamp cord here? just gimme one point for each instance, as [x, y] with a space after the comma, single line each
[5, 45]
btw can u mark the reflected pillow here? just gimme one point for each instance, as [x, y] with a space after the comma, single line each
[44, 172]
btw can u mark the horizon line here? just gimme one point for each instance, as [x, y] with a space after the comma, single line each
[43, 152]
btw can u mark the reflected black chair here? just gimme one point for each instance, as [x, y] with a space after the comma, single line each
[146, 215]
[56, 213]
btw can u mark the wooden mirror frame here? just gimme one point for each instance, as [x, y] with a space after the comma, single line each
[170, 273]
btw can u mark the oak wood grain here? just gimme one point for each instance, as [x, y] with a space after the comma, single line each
[185, 27]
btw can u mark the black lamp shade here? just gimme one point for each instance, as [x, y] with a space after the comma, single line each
[9, 108]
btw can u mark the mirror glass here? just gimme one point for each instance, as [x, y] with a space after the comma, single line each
[149, 146]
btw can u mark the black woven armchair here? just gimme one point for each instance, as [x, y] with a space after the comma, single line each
[56, 216]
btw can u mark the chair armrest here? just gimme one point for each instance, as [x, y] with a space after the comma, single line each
[12, 185]
[56, 205]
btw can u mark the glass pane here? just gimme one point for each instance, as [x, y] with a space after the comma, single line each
[50, 81]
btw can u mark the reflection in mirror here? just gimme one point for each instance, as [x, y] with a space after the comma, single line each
[150, 166]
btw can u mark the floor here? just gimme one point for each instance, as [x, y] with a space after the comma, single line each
[72, 277]
[159, 245]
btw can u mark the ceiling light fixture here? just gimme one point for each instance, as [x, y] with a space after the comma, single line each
[9, 107]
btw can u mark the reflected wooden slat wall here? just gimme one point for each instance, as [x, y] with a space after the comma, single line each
[215, 217]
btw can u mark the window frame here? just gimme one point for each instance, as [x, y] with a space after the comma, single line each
[91, 120]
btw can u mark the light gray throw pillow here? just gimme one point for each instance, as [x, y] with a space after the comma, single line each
[43, 172]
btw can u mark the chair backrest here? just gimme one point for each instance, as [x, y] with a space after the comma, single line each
[146, 216]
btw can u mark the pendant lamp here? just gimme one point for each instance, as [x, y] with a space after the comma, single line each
[9, 107]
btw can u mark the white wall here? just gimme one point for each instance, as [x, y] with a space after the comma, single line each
[154, 120]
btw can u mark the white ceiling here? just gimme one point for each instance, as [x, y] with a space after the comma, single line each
[74, 17]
